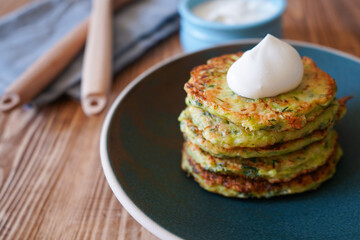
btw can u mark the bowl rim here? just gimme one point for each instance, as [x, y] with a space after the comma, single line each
[186, 14]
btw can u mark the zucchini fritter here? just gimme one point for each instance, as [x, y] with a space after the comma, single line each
[240, 187]
[221, 132]
[194, 135]
[208, 89]
[274, 169]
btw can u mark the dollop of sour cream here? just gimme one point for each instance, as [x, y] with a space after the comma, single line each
[235, 11]
[270, 68]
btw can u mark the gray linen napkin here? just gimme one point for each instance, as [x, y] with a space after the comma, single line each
[28, 33]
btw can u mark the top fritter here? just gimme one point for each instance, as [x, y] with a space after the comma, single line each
[208, 89]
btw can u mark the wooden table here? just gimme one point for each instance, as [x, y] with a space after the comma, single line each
[51, 182]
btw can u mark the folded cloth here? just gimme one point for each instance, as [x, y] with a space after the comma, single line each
[27, 34]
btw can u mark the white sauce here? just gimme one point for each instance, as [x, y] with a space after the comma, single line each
[235, 11]
[270, 68]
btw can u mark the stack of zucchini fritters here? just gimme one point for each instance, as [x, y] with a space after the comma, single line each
[241, 147]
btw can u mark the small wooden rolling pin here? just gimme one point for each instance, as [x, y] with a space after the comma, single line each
[97, 69]
[47, 67]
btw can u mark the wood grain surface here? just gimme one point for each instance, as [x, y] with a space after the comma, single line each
[51, 182]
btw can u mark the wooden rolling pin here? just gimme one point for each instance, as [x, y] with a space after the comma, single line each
[44, 70]
[47, 67]
[97, 68]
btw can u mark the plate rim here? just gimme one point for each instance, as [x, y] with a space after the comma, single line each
[109, 173]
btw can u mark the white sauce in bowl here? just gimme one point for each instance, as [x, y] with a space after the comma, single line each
[233, 12]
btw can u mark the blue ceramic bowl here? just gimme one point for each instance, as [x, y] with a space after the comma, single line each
[196, 33]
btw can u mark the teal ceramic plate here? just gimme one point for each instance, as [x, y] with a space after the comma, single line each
[141, 151]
